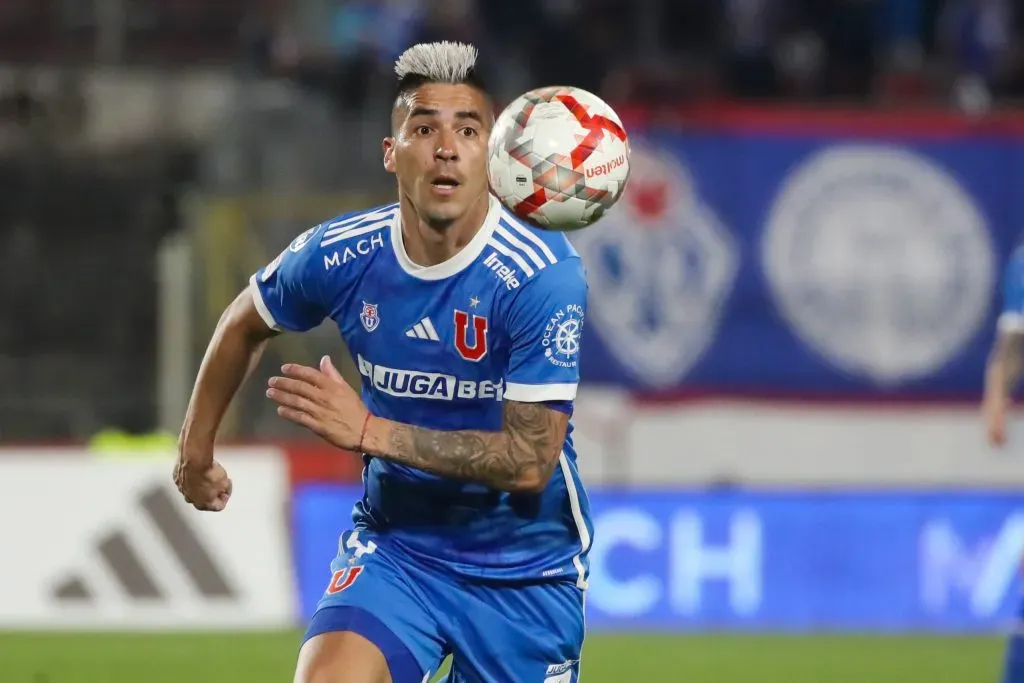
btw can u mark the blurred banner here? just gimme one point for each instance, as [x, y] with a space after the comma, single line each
[680, 561]
[828, 255]
[108, 543]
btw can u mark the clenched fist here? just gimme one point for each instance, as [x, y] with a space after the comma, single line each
[205, 488]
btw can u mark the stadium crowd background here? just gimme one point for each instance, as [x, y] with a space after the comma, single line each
[305, 72]
[153, 153]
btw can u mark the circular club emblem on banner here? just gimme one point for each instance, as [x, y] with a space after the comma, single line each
[659, 265]
[879, 260]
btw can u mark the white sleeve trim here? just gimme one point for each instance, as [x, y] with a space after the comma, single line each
[1011, 321]
[536, 393]
[261, 306]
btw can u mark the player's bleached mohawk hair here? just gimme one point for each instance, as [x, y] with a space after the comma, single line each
[443, 62]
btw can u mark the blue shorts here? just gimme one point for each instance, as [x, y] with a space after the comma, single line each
[417, 615]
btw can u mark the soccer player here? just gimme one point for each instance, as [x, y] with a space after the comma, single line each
[472, 535]
[1002, 377]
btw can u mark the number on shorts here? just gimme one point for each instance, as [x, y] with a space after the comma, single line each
[343, 578]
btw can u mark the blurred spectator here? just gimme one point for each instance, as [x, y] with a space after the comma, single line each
[750, 32]
[450, 20]
[360, 39]
[851, 34]
[977, 35]
[576, 42]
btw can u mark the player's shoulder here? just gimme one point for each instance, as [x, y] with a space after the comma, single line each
[346, 238]
[353, 224]
[534, 253]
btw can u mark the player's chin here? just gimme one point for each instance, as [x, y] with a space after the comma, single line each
[434, 211]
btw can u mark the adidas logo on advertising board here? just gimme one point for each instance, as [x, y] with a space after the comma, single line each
[115, 546]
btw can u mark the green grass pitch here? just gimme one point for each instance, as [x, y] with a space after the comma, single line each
[269, 657]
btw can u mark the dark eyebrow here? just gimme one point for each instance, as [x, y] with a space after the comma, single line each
[423, 111]
[469, 115]
[465, 114]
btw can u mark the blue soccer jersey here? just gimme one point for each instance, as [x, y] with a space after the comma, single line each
[441, 347]
[1012, 317]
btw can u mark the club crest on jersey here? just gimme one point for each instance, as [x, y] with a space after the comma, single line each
[471, 344]
[369, 317]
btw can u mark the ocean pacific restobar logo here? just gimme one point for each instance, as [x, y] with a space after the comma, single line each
[561, 341]
[879, 260]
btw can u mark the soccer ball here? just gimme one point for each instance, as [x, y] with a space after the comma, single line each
[558, 157]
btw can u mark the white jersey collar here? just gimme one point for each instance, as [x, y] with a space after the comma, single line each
[456, 263]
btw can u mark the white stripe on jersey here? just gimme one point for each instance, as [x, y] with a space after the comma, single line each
[352, 221]
[517, 243]
[523, 231]
[355, 232]
[512, 255]
[577, 518]
[536, 393]
[261, 305]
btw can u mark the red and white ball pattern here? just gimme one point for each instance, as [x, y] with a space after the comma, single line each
[558, 157]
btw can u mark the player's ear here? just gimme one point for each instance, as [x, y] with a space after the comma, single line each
[389, 154]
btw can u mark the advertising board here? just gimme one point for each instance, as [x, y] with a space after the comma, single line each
[678, 561]
[108, 543]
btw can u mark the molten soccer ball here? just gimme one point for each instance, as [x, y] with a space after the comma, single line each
[558, 158]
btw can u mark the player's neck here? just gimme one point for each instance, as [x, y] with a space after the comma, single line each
[428, 246]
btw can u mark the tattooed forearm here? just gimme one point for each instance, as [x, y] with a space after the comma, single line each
[521, 457]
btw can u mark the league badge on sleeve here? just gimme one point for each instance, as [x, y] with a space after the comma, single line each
[369, 317]
[302, 240]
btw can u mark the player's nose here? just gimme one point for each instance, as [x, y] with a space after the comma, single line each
[445, 153]
[446, 149]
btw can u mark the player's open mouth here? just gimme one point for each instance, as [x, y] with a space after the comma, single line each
[444, 185]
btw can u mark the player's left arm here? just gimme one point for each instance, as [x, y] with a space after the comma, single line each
[539, 389]
[545, 322]
[520, 458]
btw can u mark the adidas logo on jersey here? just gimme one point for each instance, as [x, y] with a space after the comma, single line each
[424, 329]
[504, 273]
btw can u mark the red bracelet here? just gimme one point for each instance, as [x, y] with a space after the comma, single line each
[366, 423]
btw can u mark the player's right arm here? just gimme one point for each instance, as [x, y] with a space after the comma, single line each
[234, 349]
[1006, 360]
[285, 295]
